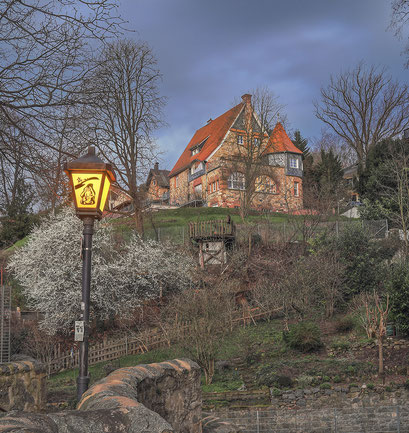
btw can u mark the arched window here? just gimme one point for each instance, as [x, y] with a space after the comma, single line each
[266, 184]
[236, 181]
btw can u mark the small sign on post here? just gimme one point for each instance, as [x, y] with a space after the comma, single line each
[79, 330]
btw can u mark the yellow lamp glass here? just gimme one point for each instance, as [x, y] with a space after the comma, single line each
[91, 179]
[87, 187]
[105, 191]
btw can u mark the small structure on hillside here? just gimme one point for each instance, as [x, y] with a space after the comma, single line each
[214, 238]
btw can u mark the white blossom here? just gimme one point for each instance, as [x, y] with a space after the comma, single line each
[123, 275]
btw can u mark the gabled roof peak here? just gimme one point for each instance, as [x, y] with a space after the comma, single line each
[211, 135]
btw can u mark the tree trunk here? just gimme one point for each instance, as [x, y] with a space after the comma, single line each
[380, 354]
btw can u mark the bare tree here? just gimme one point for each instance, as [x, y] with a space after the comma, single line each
[126, 110]
[399, 19]
[394, 188]
[45, 50]
[373, 314]
[330, 141]
[247, 164]
[45, 165]
[363, 106]
[203, 319]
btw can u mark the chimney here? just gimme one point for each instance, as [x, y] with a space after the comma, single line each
[156, 167]
[248, 110]
[209, 120]
[246, 99]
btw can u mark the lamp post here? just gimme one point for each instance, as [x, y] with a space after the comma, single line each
[90, 180]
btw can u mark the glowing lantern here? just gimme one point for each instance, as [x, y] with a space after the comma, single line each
[90, 179]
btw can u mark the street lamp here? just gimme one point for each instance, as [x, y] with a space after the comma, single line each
[90, 180]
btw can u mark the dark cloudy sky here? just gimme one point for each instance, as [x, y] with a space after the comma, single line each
[210, 52]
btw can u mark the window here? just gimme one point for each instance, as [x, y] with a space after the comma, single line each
[257, 142]
[195, 151]
[266, 184]
[296, 189]
[196, 167]
[198, 190]
[236, 181]
[239, 139]
[293, 162]
[176, 181]
[154, 182]
[214, 186]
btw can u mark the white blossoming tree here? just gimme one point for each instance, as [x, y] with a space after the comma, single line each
[49, 268]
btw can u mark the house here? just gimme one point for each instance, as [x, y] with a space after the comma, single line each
[118, 200]
[350, 174]
[157, 185]
[208, 170]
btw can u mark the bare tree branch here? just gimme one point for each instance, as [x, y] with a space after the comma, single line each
[364, 106]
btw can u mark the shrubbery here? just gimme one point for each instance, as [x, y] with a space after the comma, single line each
[398, 289]
[304, 336]
[345, 324]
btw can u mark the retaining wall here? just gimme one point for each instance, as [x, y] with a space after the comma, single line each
[340, 396]
[155, 398]
[22, 386]
[385, 419]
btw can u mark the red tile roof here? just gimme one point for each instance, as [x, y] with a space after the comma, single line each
[214, 131]
[280, 142]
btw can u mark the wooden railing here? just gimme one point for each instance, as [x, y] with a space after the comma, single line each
[211, 229]
[143, 342]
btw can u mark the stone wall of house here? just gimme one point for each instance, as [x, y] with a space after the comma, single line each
[284, 200]
[179, 194]
[22, 386]
[217, 172]
[155, 191]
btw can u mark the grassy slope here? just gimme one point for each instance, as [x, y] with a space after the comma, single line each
[257, 355]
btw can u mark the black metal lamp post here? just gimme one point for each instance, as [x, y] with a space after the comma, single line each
[90, 180]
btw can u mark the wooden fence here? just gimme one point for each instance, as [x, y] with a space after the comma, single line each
[143, 342]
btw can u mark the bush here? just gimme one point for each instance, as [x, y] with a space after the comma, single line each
[325, 385]
[265, 376]
[340, 344]
[305, 337]
[284, 382]
[304, 381]
[398, 289]
[362, 260]
[370, 386]
[345, 324]
[337, 379]
[276, 392]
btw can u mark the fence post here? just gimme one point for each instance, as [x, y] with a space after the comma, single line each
[158, 234]
[335, 420]
[337, 228]
[258, 423]
[183, 234]
[387, 228]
